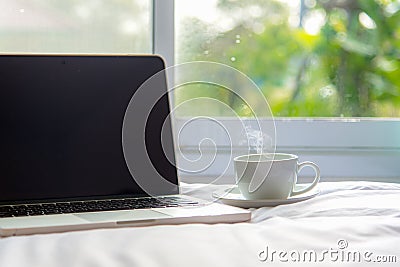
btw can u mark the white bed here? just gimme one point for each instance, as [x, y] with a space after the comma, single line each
[356, 219]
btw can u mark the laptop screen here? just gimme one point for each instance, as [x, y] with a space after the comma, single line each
[61, 127]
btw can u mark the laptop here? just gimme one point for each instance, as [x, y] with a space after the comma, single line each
[65, 161]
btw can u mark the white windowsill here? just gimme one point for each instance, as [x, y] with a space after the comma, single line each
[358, 149]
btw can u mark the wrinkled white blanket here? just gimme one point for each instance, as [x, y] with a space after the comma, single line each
[349, 223]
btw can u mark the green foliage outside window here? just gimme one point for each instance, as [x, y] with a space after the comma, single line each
[349, 68]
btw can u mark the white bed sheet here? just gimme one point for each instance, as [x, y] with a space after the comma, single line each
[365, 216]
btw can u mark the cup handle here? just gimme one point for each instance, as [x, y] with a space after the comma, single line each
[316, 178]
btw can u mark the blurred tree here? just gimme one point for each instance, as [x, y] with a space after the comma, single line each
[117, 26]
[349, 67]
[359, 52]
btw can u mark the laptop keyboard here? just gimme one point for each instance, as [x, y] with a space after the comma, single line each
[93, 206]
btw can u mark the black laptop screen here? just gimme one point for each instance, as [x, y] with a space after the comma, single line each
[61, 126]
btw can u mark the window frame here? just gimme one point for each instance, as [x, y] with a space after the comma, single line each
[345, 148]
[164, 29]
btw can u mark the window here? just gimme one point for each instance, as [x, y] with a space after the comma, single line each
[309, 58]
[45, 26]
[329, 70]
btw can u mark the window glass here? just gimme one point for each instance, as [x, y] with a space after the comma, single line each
[74, 26]
[310, 58]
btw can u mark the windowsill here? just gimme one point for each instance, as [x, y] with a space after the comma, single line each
[231, 179]
[343, 149]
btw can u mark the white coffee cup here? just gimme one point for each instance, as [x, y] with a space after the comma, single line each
[271, 176]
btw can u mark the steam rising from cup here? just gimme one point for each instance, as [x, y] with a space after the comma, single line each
[257, 141]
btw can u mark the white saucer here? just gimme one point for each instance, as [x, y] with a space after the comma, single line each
[233, 197]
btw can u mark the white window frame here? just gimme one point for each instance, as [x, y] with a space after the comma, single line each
[164, 30]
[344, 148]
